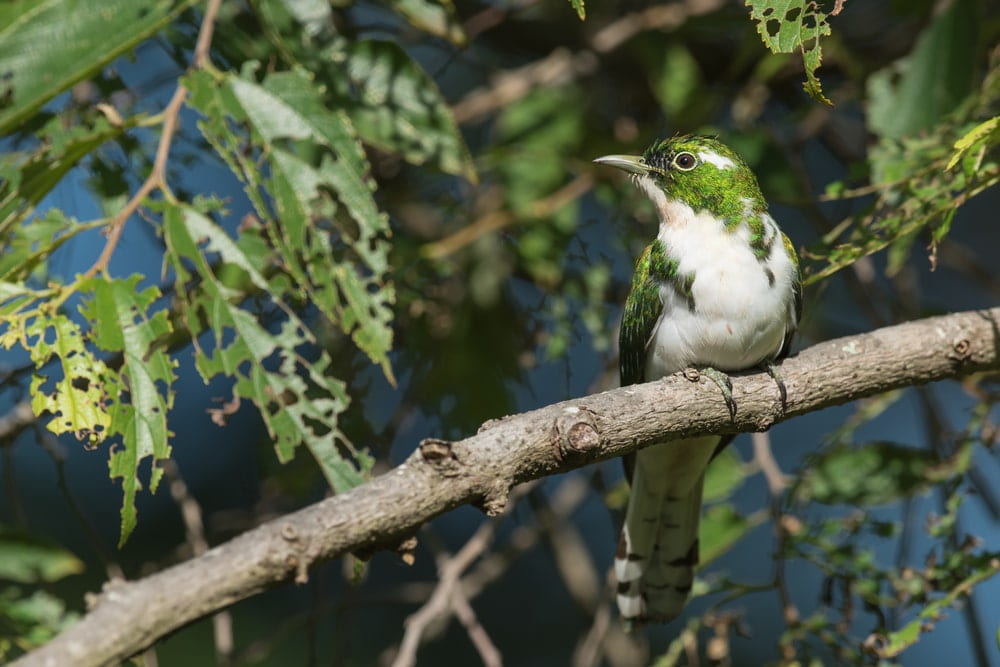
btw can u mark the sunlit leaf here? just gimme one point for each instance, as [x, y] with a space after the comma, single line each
[46, 46]
[436, 17]
[398, 108]
[119, 314]
[787, 26]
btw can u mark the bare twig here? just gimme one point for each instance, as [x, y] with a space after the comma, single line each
[157, 176]
[194, 530]
[487, 650]
[449, 571]
[440, 476]
[783, 524]
[562, 66]
[500, 219]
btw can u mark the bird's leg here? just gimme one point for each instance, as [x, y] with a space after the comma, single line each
[775, 374]
[721, 380]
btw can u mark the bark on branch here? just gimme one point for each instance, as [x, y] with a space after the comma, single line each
[481, 469]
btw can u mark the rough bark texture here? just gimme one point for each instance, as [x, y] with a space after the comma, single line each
[129, 616]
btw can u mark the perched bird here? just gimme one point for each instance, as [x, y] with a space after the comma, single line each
[717, 290]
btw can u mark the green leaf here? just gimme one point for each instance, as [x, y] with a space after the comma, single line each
[297, 396]
[436, 17]
[31, 620]
[397, 107]
[581, 11]
[897, 642]
[27, 559]
[313, 153]
[118, 311]
[48, 45]
[937, 75]
[984, 134]
[79, 400]
[876, 473]
[787, 26]
[24, 185]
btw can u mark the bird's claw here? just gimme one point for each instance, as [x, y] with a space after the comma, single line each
[721, 380]
[775, 374]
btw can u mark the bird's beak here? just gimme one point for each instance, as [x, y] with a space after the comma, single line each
[633, 164]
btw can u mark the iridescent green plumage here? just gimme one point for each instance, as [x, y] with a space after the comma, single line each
[718, 289]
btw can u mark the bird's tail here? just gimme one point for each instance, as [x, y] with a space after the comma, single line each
[658, 549]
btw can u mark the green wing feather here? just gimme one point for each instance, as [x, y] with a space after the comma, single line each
[642, 311]
[796, 296]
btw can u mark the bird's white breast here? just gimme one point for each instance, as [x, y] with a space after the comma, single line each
[740, 318]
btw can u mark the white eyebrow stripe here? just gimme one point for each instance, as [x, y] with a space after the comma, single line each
[719, 161]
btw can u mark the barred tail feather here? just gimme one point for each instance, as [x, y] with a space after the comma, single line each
[658, 548]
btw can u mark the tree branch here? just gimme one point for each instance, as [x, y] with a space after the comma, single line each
[481, 469]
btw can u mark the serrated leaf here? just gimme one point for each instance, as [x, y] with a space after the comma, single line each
[46, 46]
[313, 153]
[984, 134]
[78, 401]
[786, 26]
[897, 642]
[23, 185]
[297, 396]
[120, 323]
[27, 559]
[398, 108]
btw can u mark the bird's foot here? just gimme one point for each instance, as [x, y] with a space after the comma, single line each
[720, 379]
[775, 374]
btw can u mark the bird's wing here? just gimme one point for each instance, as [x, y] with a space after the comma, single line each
[643, 309]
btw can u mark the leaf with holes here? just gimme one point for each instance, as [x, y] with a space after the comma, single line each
[119, 315]
[79, 399]
[283, 372]
[325, 224]
[787, 26]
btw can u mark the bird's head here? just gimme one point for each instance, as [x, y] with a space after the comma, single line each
[700, 172]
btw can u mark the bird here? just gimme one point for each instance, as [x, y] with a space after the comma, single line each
[717, 291]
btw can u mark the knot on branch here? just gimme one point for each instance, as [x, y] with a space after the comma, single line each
[575, 432]
[495, 496]
[440, 455]
[961, 350]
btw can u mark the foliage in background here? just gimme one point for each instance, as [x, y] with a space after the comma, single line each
[468, 249]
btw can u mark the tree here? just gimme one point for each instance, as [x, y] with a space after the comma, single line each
[360, 263]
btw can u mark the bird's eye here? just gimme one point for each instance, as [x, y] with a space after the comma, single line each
[685, 161]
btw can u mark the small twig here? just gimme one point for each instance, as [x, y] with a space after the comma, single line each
[499, 219]
[477, 633]
[775, 487]
[157, 176]
[561, 66]
[449, 571]
[588, 652]
[764, 457]
[194, 532]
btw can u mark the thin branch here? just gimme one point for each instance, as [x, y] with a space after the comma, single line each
[481, 469]
[157, 176]
[450, 569]
[194, 531]
[496, 220]
[562, 66]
